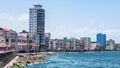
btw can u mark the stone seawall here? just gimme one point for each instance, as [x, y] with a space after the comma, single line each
[6, 58]
[11, 63]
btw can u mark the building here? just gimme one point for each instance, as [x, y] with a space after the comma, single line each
[101, 39]
[27, 42]
[86, 41]
[72, 41]
[117, 46]
[74, 44]
[47, 39]
[37, 23]
[110, 45]
[95, 46]
[66, 44]
[22, 41]
[56, 44]
[8, 39]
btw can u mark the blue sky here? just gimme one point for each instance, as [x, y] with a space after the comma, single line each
[66, 18]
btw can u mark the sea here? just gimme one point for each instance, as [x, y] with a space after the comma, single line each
[109, 59]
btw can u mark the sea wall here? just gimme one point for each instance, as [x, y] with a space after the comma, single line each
[6, 58]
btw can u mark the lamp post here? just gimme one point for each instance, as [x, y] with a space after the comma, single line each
[28, 44]
[36, 43]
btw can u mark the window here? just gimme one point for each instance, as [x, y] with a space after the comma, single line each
[7, 40]
[13, 40]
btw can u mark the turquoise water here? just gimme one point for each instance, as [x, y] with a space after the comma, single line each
[82, 60]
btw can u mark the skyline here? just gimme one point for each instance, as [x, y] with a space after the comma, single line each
[82, 16]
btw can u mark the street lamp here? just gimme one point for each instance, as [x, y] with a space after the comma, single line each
[28, 44]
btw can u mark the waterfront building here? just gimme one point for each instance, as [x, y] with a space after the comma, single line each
[78, 45]
[37, 23]
[8, 39]
[22, 41]
[72, 43]
[101, 39]
[47, 40]
[86, 41]
[66, 43]
[27, 42]
[110, 45]
[59, 44]
[117, 46]
[56, 44]
[95, 46]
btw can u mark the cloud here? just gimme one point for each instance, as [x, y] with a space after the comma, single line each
[14, 21]
[14, 17]
[5, 16]
[23, 17]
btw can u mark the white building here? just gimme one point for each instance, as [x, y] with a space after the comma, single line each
[86, 41]
[56, 44]
[74, 44]
[110, 45]
[37, 23]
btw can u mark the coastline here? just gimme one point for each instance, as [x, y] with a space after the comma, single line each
[24, 59]
[32, 58]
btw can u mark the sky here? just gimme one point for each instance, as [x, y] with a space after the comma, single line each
[66, 18]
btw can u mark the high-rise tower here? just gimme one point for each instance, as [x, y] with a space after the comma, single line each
[37, 22]
[101, 39]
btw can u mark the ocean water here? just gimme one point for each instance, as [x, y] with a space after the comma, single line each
[82, 60]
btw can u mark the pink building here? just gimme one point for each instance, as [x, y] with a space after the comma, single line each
[8, 39]
[27, 42]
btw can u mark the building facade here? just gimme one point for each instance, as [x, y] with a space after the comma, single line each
[101, 39]
[74, 44]
[86, 41]
[22, 41]
[110, 45]
[27, 42]
[8, 39]
[37, 23]
[56, 44]
[47, 40]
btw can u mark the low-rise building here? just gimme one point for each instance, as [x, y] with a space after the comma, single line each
[65, 44]
[110, 45]
[56, 44]
[27, 42]
[86, 41]
[8, 39]
[117, 46]
[47, 40]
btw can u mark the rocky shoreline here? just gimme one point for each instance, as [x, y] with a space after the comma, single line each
[25, 59]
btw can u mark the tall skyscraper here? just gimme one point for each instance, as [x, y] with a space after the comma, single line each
[101, 39]
[37, 22]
